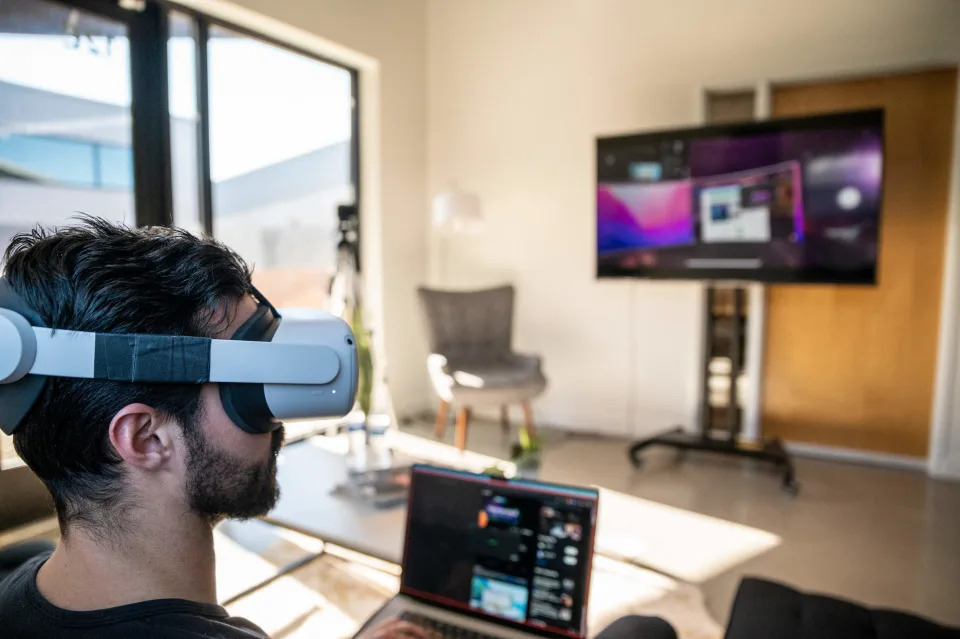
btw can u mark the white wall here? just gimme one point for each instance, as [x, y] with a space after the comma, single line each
[390, 36]
[517, 91]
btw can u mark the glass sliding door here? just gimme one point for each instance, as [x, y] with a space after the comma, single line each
[65, 118]
[145, 114]
[280, 131]
[66, 147]
[185, 130]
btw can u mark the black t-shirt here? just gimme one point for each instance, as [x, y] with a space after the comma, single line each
[25, 614]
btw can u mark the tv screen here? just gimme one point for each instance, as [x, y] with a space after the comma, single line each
[793, 200]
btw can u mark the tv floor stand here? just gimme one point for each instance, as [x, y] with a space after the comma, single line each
[725, 321]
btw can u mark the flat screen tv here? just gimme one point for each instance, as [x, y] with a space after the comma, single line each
[793, 200]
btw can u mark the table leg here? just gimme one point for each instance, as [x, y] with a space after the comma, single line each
[463, 419]
[441, 426]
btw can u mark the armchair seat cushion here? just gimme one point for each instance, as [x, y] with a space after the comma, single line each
[518, 370]
[508, 380]
[501, 396]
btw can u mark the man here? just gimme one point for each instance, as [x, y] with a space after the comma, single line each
[140, 473]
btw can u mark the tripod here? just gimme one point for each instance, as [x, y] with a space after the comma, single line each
[346, 301]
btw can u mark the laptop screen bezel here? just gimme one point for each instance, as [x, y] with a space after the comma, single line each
[577, 492]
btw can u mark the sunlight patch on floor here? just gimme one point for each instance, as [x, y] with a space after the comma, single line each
[618, 589]
[415, 448]
[279, 606]
[238, 568]
[681, 543]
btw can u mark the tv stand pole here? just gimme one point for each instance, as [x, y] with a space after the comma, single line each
[730, 326]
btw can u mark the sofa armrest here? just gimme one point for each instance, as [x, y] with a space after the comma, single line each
[768, 609]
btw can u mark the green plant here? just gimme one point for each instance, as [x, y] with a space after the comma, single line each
[527, 449]
[494, 471]
[364, 360]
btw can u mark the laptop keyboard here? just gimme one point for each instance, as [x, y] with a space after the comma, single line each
[444, 630]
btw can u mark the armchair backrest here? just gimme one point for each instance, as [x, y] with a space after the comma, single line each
[469, 326]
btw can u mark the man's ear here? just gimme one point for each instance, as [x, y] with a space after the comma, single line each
[142, 437]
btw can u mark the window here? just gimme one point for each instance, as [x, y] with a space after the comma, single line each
[280, 147]
[65, 122]
[65, 118]
[62, 161]
[185, 130]
[243, 138]
[267, 137]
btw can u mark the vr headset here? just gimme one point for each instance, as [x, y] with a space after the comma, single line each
[272, 369]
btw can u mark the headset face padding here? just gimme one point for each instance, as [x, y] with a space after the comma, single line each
[246, 404]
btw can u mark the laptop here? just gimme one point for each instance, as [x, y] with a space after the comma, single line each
[487, 557]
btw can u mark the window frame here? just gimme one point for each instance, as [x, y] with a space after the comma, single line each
[149, 31]
[150, 133]
[203, 24]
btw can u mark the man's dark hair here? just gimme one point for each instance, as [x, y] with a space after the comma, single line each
[103, 277]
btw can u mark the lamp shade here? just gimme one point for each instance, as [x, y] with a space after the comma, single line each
[457, 211]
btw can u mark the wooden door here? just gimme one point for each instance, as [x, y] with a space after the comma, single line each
[854, 366]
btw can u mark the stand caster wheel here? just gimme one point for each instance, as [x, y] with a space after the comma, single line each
[791, 487]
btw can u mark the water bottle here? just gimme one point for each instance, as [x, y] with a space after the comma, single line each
[380, 456]
[357, 446]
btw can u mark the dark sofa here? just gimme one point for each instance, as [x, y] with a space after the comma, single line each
[768, 609]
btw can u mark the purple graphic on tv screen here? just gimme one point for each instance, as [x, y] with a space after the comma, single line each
[632, 216]
[833, 159]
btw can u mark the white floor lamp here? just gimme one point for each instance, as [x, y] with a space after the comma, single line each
[455, 212]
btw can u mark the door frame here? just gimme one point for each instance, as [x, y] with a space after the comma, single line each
[943, 457]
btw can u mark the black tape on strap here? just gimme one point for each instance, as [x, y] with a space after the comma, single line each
[152, 358]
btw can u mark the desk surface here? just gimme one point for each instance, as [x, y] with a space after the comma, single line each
[307, 475]
[681, 543]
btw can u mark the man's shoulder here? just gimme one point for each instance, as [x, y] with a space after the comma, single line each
[187, 624]
[25, 614]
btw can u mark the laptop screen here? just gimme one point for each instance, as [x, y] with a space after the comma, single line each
[516, 552]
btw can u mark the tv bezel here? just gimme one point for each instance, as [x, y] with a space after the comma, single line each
[848, 119]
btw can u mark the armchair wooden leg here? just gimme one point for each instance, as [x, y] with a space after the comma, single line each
[528, 420]
[441, 427]
[505, 419]
[463, 418]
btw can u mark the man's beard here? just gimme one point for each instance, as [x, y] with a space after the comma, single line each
[220, 485]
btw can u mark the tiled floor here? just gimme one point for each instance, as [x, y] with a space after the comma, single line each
[881, 537]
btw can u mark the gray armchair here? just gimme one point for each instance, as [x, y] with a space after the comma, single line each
[472, 362]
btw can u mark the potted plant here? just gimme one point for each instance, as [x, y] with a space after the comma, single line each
[525, 453]
[364, 361]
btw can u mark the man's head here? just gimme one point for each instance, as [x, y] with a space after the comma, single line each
[107, 450]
